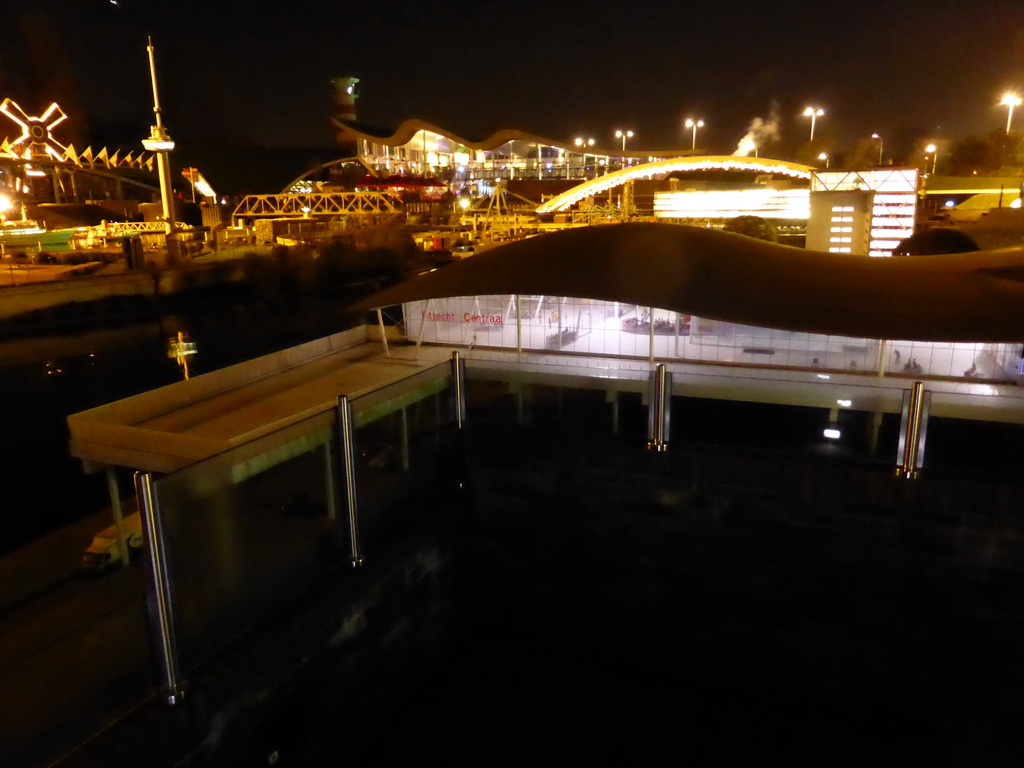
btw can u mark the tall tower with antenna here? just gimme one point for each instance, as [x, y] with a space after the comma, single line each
[161, 144]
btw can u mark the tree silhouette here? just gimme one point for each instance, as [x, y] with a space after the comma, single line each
[994, 154]
[753, 226]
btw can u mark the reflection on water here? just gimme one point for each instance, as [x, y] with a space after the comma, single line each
[180, 348]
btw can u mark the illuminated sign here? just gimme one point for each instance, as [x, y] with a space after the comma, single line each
[726, 204]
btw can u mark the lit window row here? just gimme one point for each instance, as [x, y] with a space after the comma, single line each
[842, 209]
[889, 213]
[884, 223]
[840, 239]
[838, 250]
[842, 218]
[841, 229]
[889, 233]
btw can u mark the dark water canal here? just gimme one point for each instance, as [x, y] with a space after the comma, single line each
[44, 377]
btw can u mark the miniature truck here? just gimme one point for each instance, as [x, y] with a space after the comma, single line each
[105, 551]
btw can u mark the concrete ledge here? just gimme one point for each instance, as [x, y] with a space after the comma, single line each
[272, 397]
[160, 430]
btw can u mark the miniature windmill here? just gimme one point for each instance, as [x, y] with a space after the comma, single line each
[36, 137]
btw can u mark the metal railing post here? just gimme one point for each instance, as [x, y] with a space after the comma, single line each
[347, 449]
[158, 599]
[650, 335]
[659, 409]
[459, 389]
[913, 431]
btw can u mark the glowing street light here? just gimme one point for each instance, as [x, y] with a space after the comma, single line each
[583, 144]
[824, 156]
[694, 124]
[878, 138]
[934, 152]
[814, 113]
[623, 135]
[1010, 100]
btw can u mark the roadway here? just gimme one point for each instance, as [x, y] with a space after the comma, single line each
[74, 650]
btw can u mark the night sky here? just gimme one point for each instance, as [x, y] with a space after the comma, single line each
[232, 74]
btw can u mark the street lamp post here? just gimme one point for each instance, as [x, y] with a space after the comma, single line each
[583, 144]
[160, 143]
[878, 138]
[824, 156]
[624, 135]
[1010, 100]
[814, 113]
[934, 152]
[694, 124]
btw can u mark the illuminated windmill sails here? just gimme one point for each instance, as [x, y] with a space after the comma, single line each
[36, 132]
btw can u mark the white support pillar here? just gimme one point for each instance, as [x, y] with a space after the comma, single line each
[650, 333]
[383, 333]
[419, 335]
[115, 505]
[883, 357]
[519, 325]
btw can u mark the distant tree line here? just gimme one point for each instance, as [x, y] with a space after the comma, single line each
[996, 153]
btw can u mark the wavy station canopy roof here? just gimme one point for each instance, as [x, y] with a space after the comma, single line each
[407, 131]
[972, 297]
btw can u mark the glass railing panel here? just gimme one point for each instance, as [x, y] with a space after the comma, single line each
[249, 530]
[246, 531]
[406, 461]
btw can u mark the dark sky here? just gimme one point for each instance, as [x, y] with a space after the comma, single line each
[232, 73]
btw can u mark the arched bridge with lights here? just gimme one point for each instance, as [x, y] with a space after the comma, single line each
[618, 178]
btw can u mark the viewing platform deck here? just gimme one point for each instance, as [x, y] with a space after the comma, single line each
[171, 427]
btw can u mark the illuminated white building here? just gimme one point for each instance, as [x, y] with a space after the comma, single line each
[418, 148]
[862, 212]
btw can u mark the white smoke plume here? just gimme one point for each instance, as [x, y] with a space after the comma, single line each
[759, 133]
